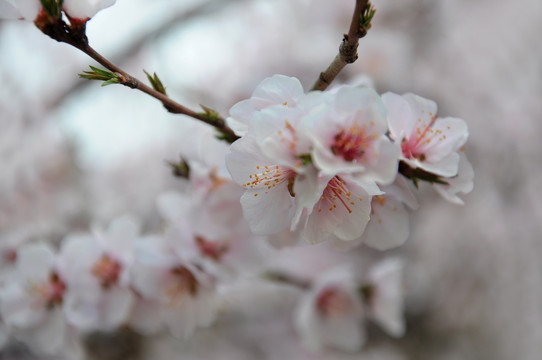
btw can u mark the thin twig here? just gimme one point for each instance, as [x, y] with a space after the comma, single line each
[171, 105]
[136, 44]
[348, 50]
[74, 34]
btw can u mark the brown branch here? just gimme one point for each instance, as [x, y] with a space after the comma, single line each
[348, 50]
[171, 105]
[135, 45]
[74, 34]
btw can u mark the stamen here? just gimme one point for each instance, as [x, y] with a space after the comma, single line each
[352, 143]
[336, 189]
[185, 284]
[107, 270]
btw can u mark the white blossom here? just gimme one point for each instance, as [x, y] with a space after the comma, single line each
[427, 141]
[97, 271]
[167, 276]
[331, 313]
[31, 304]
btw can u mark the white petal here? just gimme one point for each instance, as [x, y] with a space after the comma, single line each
[120, 235]
[384, 169]
[245, 159]
[386, 308]
[267, 212]
[19, 308]
[116, 306]
[423, 111]
[29, 9]
[365, 104]
[402, 190]
[279, 89]
[243, 112]
[275, 130]
[83, 9]
[35, 262]
[8, 10]
[446, 167]
[462, 183]
[389, 224]
[49, 337]
[344, 217]
[173, 206]
[401, 119]
[145, 317]
[78, 254]
[447, 135]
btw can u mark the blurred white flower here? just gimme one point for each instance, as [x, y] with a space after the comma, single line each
[31, 304]
[96, 267]
[331, 313]
[164, 274]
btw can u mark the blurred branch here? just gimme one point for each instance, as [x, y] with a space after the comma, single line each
[348, 50]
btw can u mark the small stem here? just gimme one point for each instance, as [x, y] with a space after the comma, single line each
[171, 105]
[74, 35]
[348, 50]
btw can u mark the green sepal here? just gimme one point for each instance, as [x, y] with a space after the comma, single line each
[367, 18]
[209, 113]
[306, 158]
[224, 136]
[180, 169]
[53, 8]
[418, 174]
[102, 75]
[156, 82]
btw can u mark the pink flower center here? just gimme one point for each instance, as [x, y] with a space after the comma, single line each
[185, 283]
[335, 193]
[56, 290]
[352, 143]
[211, 249]
[49, 294]
[10, 256]
[332, 302]
[107, 270]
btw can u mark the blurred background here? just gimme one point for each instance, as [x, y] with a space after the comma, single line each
[73, 153]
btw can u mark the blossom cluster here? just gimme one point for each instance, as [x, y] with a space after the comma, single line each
[341, 165]
[173, 279]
